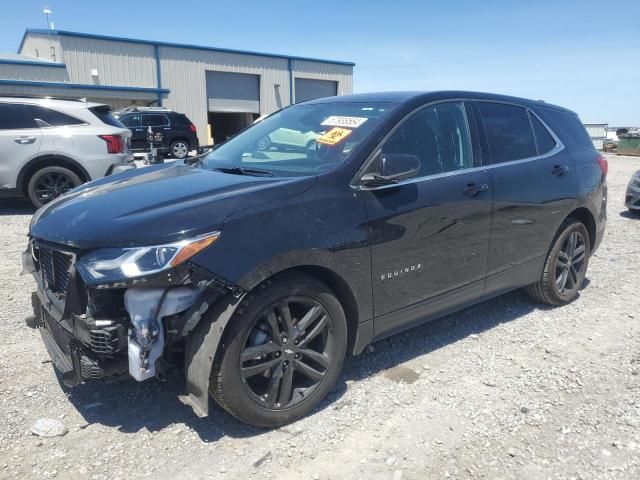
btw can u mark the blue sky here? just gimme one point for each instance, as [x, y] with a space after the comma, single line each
[584, 55]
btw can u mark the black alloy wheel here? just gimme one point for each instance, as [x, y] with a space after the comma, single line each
[281, 352]
[287, 353]
[570, 263]
[565, 267]
[49, 183]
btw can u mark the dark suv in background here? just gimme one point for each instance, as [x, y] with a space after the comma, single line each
[261, 266]
[179, 134]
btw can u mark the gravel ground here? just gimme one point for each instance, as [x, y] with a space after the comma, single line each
[505, 389]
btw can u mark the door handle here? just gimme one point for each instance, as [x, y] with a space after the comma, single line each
[560, 170]
[24, 140]
[471, 190]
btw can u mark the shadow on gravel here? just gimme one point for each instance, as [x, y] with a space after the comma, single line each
[434, 335]
[629, 214]
[154, 406]
[15, 206]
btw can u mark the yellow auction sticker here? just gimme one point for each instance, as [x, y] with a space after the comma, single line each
[333, 136]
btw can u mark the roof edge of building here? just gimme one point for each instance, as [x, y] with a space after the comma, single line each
[84, 86]
[42, 31]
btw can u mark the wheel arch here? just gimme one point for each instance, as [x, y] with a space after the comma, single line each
[49, 161]
[584, 215]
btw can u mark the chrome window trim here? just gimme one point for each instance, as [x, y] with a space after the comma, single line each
[355, 182]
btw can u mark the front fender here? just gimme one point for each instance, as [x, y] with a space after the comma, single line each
[201, 346]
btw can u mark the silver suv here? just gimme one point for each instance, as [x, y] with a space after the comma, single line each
[50, 146]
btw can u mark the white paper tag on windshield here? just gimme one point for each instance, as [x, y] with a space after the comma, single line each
[349, 122]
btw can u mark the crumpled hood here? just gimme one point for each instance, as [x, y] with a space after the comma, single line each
[155, 205]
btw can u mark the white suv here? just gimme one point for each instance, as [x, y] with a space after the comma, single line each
[49, 146]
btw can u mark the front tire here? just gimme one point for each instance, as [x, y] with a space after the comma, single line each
[282, 353]
[565, 266]
[49, 183]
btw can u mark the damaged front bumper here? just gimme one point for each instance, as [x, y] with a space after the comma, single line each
[142, 329]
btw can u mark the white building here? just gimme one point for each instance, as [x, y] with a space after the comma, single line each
[215, 87]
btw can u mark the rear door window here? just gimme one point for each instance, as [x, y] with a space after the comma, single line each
[53, 117]
[544, 140]
[15, 116]
[508, 132]
[155, 121]
[438, 135]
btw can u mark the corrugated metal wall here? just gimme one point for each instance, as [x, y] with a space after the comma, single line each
[33, 73]
[40, 46]
[183, 71]
[118, 63]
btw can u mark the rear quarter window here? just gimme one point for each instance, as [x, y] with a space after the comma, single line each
[105, 116]
[568, 125]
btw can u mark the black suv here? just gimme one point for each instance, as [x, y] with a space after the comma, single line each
[179, 134]
[260, 268]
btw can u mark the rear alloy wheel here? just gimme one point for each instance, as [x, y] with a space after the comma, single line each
[283, 353]
[49, 183]
[179, 149]
[565, 267]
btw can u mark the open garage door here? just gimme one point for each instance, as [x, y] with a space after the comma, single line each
[310, 89]
[233, 101]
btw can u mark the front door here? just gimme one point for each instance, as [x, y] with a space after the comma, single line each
[429, 234]
[20, 139]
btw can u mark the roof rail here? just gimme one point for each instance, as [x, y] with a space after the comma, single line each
[144, 109]
[39, 97]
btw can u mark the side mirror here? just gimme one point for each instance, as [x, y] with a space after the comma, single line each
[393, 168]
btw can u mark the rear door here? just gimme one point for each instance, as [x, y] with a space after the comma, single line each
[159, 123]
[138, 134]
[429, 234]
[20, 140]
[533, 180]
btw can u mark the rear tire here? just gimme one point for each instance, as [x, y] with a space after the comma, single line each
[282, 353]
[565, 266]
[179, 149]
[49, 183]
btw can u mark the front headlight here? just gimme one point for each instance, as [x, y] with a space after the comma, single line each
[109, 265]
[635, 180]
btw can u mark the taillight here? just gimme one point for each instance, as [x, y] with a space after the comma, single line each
[192, 127]
[114, 143]
[604, 165]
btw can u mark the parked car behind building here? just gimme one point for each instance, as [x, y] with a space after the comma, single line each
[50, 146]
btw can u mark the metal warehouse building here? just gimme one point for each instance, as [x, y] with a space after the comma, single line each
[220, 90]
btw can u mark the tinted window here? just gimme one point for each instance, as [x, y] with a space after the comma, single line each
[438, 135]
[14, 116]
[181, 120]
[570, 124]
[53, 117]
[544, 140]
[105, 116]
[155, 120]
[508, 132]
[132, 120]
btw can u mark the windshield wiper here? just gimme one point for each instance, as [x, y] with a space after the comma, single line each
[254, 172]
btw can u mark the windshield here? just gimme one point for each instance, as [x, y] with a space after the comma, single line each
[301, 140]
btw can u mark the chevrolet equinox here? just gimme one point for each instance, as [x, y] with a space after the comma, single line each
[259, 268]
